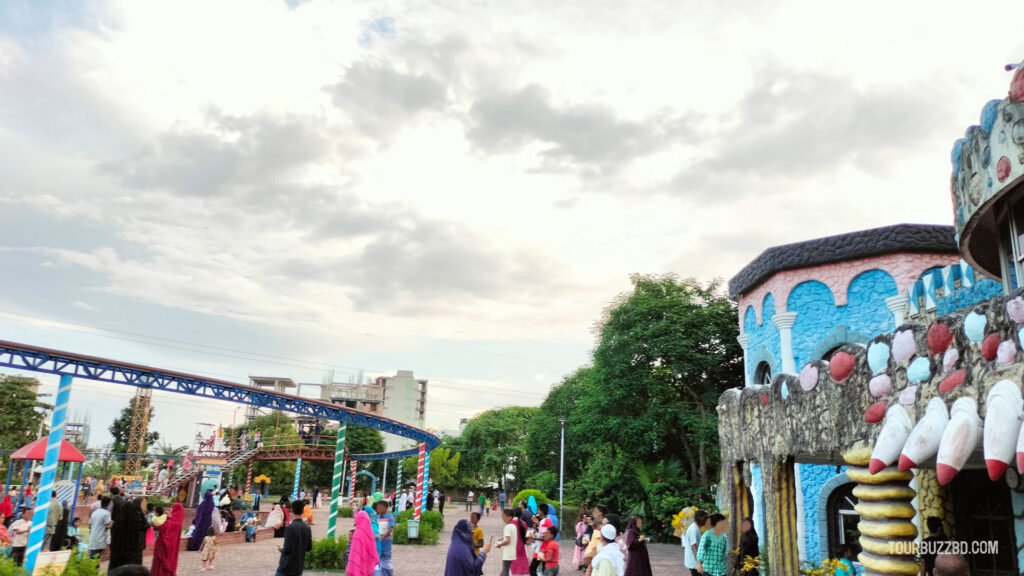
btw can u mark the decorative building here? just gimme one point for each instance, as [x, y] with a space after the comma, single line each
[883, 378]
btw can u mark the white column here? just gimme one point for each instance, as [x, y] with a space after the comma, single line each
[744, 339]
[801, 519]
[898, 306]
[784, 322]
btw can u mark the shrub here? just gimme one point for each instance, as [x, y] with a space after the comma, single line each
[433, 519]
[8, 568]
[428, 534]
[345, 512]
[538, 496]
[327, 554]
[405, 515]
[82, 565]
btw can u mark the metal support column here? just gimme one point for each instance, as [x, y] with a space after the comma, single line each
[426, 476]
[339, 471]
[78, 488]
[298, 471]
[418, 497]
[24, 482]
[43, 499]
[10, 472]
[384, 479]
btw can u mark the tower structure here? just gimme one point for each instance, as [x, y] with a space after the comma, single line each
[139, 428]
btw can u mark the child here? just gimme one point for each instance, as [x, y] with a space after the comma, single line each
[487, 508]
[548, 553]
[846, 556]
[19, 536]
[74, 536]
[208, 549]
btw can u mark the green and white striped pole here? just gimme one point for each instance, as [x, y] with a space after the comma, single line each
[43, 498]
[339, 471]
[298, 471]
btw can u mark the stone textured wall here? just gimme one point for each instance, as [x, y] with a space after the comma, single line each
[764, 344]
[813, 479]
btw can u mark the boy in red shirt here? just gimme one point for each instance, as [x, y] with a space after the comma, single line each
[548, 552]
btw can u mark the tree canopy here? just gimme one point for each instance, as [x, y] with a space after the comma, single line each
[19, 420]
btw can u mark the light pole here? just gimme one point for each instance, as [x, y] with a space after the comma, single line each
[561, 472]
[233, 415]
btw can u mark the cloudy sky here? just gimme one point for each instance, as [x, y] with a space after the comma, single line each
[455, 188]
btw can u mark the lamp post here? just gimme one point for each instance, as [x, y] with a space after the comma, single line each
[561, 472]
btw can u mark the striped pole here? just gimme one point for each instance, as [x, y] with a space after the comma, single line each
[298, 471]
[78, 488]
[426, 476]
[57, 423]
[398, 479]
[418, 501]
[339, 470]
[248, 479]
[352, 489]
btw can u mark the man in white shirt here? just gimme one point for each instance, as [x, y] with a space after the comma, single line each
[469, 501]
[509, 537]
[99, 521]
[691, 539]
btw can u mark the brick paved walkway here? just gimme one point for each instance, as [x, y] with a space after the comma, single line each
[261, 557]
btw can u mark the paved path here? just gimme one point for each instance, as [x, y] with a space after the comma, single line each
[261, 557]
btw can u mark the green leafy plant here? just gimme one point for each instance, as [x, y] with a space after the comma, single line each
[327, 554]
[82, 565]
[433, 519]
[345, 512]
[9, 568]
[428, 535]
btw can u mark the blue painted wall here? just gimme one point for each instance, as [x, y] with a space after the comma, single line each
[764, 341]
[812, 479]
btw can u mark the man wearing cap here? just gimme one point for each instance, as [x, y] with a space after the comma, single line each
[609, 560]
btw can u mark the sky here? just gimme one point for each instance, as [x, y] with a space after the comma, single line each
[455, 188]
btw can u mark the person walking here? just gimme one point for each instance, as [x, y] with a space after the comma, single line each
[386, 536]
[478, 532]
[128, 533]
[483, 502]
[165, 549]
[713, 549]
[469, 501]
[501, 500]
[440, 503]
[691, 539]
[362, 555]
[298, 539]
[18, 533]
[638, 563]
[609, 560]
[208, 550]
[99, 522]
[582, 539]
[548, 553]
[461, 560]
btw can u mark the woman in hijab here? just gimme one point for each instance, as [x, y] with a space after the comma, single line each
[362, 553]
[638, 563]
[6, 509]
[229, 516]
[275, 520]
[553, 515]
[748, 545]
[201, 521]
[165, 550]
[531, 503]
[581, 535]
[461, 561]
[128, 533]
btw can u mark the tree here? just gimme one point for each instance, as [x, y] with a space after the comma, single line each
[544, 432]
[121, 429]
[444, 467]
[19, 420]
[493, 446]
[172, 452]
[666, 352]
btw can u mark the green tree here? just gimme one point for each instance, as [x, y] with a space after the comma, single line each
[444, 468]
[493, 446]
[169, 451]
[544, 432]
[19, 420]
[121, 429]
[666, 352]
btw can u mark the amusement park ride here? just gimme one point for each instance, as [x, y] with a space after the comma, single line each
[70, 366]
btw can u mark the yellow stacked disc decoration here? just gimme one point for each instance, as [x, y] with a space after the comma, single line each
[886, 526]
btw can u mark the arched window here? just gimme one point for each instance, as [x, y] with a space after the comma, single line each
[763, 374]
[842, 520]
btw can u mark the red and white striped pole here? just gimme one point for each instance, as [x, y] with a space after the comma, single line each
[248, 479]
[419, 483]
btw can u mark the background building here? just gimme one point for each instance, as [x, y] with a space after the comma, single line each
[401, 397]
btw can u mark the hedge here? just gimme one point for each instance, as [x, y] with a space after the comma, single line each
[328, 554]
[345, 512]
[428, 534]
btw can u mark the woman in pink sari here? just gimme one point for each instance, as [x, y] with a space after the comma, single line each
[362, 553]
[165, 552]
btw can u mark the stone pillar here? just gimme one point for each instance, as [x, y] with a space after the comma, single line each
[744, 339]
[733, 491]
[898, 306]
[801, 518]
[933, 499]
[780, 488]
[784, 322]
[886, 529]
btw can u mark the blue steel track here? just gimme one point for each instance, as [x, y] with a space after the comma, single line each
[35, 359]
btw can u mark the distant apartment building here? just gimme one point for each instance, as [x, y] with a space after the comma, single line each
[401, 397]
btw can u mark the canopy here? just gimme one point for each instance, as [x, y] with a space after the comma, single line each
[37, 451]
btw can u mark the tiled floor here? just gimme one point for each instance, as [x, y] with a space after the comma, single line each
[261, 557]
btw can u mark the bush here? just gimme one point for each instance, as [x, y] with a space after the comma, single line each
[546, 482]
[538, 496]
[428, 534]
[82, 565]
[405, 515]
[345, 512]
[8, 568]
[433, 519]
[327, 554]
